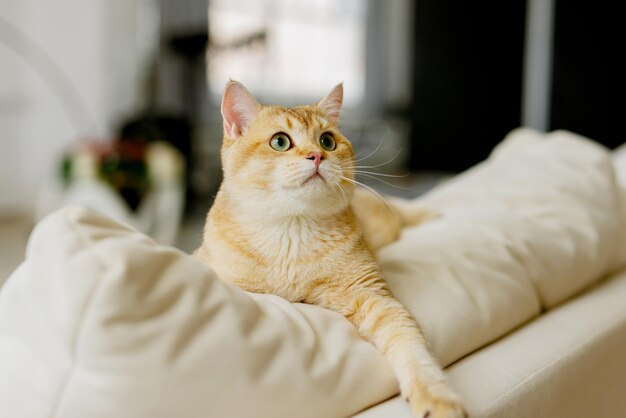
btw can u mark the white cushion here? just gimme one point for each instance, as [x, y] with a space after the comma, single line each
[536, 223]
[99, 321]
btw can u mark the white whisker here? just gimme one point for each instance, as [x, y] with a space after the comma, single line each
[381, 199]
[374, 152]
[343, 193]
[358, 140]
[381, 164]
[372, 173]
[385, 182]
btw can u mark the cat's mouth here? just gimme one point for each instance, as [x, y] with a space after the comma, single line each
[314, 177]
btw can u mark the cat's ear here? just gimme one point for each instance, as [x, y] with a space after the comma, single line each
[331, 104]
[239, 109]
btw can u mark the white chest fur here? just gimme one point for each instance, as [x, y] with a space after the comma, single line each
[292, 240]
[295, 253]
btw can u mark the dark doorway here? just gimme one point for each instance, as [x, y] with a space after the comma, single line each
[468, 60]
[589, 87]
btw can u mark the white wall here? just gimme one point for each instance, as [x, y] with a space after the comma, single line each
[91, 44]
[12, 104]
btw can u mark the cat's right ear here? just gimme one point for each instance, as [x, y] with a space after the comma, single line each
[331, 104]
[239, 109]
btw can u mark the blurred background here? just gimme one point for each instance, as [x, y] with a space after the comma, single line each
[115, 103]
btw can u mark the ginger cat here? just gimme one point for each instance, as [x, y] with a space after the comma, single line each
[284, 222]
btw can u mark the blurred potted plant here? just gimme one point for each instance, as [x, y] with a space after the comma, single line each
[134, 181]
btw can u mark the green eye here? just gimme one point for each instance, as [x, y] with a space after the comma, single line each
[328, 142]
[280, 142]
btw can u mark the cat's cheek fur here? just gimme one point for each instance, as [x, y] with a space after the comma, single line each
[256, 174]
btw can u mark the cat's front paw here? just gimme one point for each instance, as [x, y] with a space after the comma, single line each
[426, 405]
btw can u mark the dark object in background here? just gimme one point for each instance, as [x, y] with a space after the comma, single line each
[468, 60]
[154, 124]
[125, 169]
[122, 164]
[191, 48]
[151, 128]
[589, 77]
[172, 129]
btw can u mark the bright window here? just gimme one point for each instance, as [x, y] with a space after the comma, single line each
[308, 47]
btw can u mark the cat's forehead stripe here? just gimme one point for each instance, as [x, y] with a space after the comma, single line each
[306, 117]
[298, 116]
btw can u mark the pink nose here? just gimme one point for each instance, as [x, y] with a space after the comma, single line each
[316, 157]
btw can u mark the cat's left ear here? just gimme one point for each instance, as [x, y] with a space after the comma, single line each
[239, 109]
[331, 104]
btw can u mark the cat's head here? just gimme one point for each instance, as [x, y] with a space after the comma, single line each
[291, 160]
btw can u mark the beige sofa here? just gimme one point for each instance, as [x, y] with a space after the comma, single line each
[517, 287]
[569, 360]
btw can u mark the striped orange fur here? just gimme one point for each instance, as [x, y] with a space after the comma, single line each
[283, 222]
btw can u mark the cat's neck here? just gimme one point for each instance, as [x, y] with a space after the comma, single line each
[273, 234]
[250, 210]
[300, 237]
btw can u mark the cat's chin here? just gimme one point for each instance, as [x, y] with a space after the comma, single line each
[313, 184]
[313, 198]
[315, 178]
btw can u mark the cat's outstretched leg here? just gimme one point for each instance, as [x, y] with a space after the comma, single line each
[387, 324]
